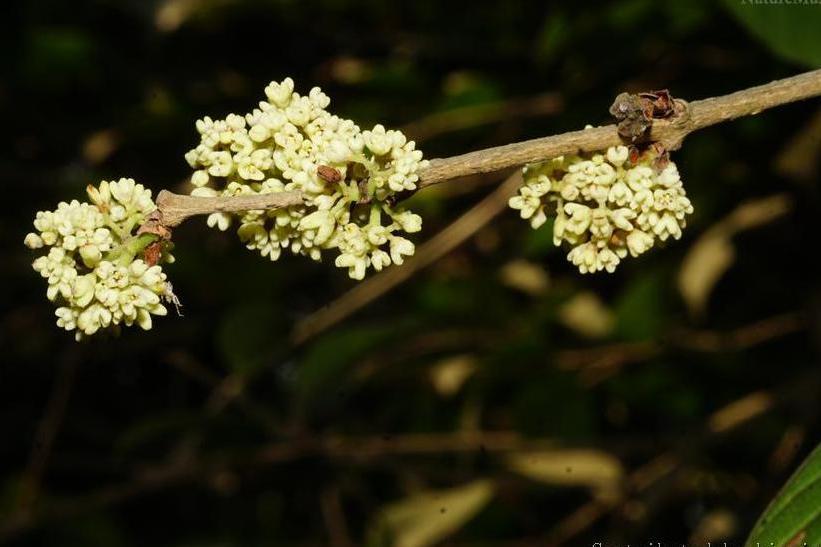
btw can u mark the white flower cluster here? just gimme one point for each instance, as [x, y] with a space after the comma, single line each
[90, 266]
[606, 206]
[347, 177]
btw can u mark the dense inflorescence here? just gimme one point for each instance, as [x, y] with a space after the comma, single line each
[91, 266]
[606, 205]
[348, 179]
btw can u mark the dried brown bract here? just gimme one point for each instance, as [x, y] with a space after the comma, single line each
[154, 225]
[635, 113]
[633, 116]
[662, 156]
[660, 104]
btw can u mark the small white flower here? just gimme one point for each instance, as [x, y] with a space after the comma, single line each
[621, 218]
[200, 177]
[620, 194]
[538, 219]
[380, 259]
[669, 176]
[638, 242]
[356, 265]
[607, 260]
[666, 225]
[280, 93]
[259, 133]
[377, 141]
[585, 257]
[221, 164]
[322, 222]
[408, 221]
[400, 247]
[579, 217]
[617, 155]
[221, 221]
[90, 255]
[33, 241]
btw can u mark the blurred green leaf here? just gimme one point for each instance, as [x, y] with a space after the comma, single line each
[538, 243]
[688, 16]
[465, 88]
[448, 298]
[790, 30]
[56, 55]
[794, 516]
[248, 338]
[641, 388]
[640, 308]
[10, 490]
[159, 429]
[630, 13]
[553, 36]
[555, 405]
[98, 528]
[328, 359]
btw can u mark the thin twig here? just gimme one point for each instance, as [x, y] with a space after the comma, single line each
[333, 514]
[696, 115]
[175, 208]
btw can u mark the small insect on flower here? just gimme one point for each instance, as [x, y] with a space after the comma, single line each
[328, 174]
[171, 297]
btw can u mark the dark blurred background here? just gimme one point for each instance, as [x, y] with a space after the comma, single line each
[485, 393]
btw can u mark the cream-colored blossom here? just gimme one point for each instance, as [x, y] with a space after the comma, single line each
[606, 206]
[292, 143]
[93, 274]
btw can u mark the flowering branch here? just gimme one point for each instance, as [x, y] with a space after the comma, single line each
[694, 116]
[296, 177]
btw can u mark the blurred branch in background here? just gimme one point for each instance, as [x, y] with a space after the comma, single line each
[225, 390]
[597, 364]
[151, 478]
[466, 117]
[659, 472]
[429, 252]
[48, 428]
[799, 157]
[713, 253]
